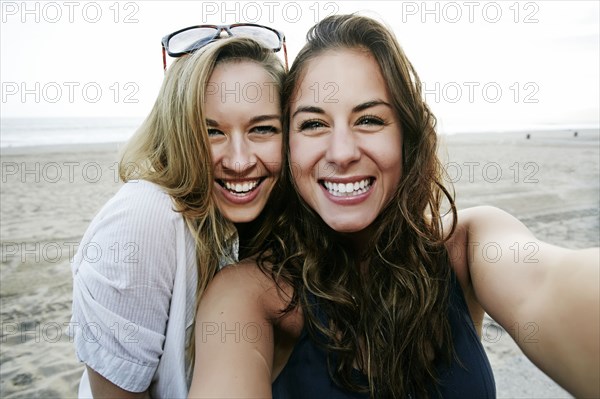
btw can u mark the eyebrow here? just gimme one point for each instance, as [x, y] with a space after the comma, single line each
[256, 119]
[211, 123]
[308, 109]
[369, 104]
[358, 108]
[262, 118]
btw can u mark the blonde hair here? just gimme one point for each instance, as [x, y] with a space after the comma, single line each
[171, 148]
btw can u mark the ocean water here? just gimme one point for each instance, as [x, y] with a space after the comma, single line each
[27, 132]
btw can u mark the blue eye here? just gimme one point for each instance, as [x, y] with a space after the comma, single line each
[264, 129]
[214, 132]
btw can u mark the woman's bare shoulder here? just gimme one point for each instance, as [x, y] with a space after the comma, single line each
[246, 281]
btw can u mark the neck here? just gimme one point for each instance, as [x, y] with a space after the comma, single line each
[359, 242]
[247, 232]
[243, 231]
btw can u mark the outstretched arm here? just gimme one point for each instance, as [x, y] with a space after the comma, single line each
[546, 297]
[234, 336]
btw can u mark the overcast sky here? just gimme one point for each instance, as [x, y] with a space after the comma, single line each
[485, 65]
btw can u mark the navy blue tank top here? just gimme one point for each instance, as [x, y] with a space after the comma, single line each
[306, 376]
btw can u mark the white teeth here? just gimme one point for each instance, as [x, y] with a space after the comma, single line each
[241, 188]
[348, 189]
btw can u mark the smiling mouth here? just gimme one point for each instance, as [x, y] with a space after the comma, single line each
[240, 188]
[348, 189]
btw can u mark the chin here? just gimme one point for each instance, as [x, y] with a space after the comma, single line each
[241, 218]
[345, 227]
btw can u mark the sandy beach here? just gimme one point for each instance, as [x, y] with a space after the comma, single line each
[50, 194]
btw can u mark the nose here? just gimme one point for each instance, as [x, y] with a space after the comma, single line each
[342, 149]
[239, 157]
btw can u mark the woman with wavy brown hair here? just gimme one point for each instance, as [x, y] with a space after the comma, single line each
[372, 289]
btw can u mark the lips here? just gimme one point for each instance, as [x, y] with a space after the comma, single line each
[240, 191]
[347, 187]
[239, 187]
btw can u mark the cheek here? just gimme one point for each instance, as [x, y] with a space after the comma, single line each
[304, 153]
[387, 155]
[299, 164]
[270, 155]
[216, 154]
[389, 150]
[294, 145]
[391, 165]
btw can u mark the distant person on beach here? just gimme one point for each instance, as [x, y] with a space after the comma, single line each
[198, 174]
[372, 289]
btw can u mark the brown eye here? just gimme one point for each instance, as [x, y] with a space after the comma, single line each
[312, 124]
[370, 120]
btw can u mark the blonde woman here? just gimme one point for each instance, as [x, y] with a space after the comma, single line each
[198, 175]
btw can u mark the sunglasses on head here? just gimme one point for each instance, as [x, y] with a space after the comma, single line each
[188, 40]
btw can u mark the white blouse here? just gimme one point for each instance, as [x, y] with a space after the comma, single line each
[134, 293]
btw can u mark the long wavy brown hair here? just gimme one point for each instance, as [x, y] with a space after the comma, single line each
[391, 320]
[172, 149]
